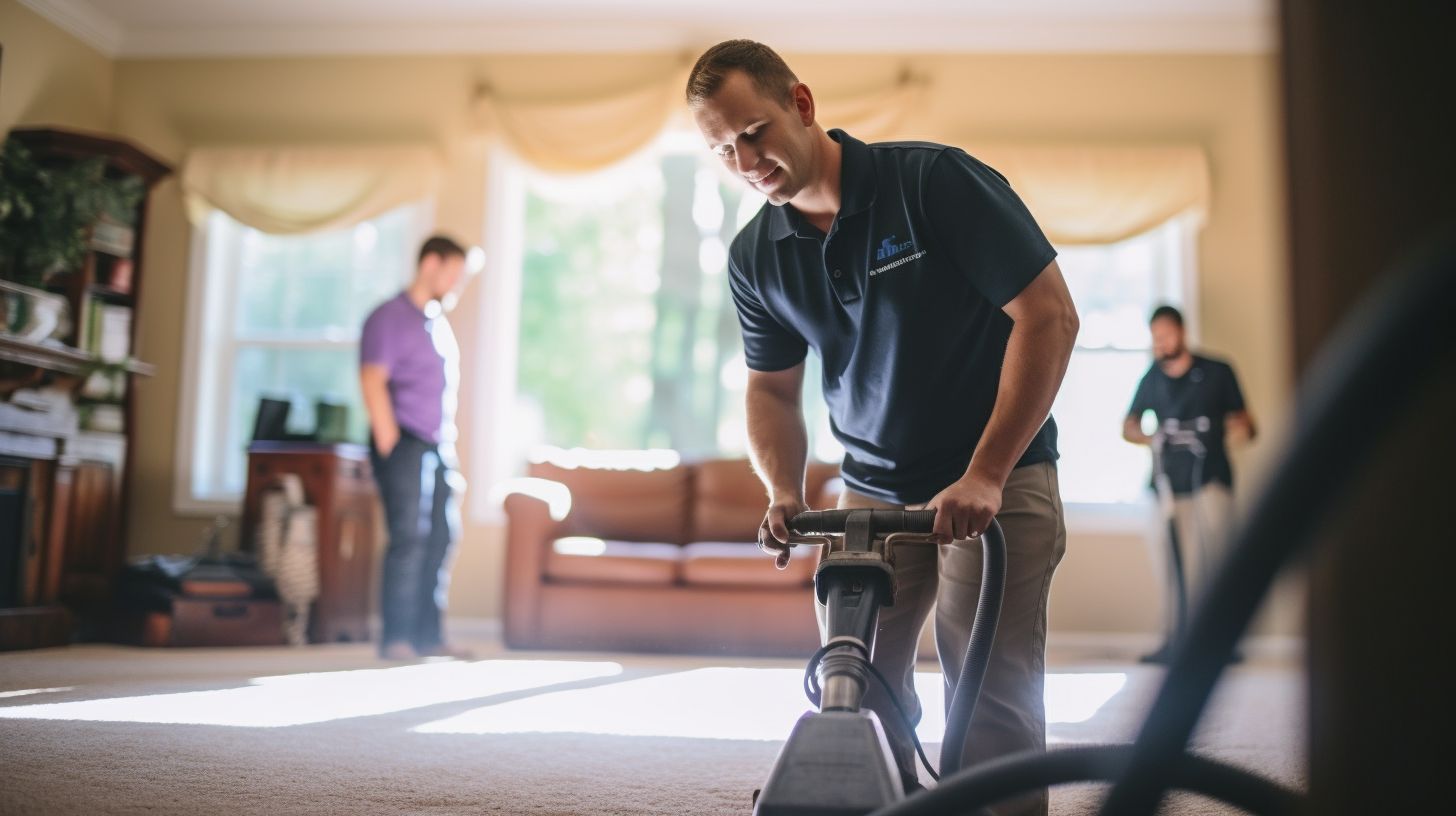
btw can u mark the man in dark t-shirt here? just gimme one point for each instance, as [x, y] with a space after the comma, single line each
[1199, 409]
[944, 327]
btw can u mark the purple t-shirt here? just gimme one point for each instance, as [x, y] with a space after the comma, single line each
[419, 351]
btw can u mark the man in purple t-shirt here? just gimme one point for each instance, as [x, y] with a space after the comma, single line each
[409, 366]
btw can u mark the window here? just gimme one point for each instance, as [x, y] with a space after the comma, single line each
[1116, 287]
[628, 337]
[278, 316]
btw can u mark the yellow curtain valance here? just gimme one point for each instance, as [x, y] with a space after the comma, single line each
[1078, 193]
[573, 135]
[877, 115]
[298, 189]
[1097, 194]
[581, 134]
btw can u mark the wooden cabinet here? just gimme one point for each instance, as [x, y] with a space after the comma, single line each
[338, 483]
[93, 550]
[32, 513]
[24, 486]
[59, 555]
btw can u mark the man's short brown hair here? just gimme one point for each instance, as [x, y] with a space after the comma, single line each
[769, 72]
[443, 246]
[1166, 312]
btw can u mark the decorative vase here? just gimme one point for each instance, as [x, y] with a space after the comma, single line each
[33, 314]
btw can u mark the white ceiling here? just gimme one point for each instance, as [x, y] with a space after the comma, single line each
[216, 28]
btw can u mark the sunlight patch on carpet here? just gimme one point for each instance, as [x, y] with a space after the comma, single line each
[729, 703]
[1076, 698]
[299, 699]
[31, 692]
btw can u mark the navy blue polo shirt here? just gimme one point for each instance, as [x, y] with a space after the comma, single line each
[1209, 388]
[902, 302]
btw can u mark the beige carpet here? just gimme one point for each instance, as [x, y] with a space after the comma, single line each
[330, 730]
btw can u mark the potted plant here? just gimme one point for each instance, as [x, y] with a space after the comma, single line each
[48, 209]
[47, 212]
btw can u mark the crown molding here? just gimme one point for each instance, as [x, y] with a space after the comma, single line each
[82, 20]
[689, 29]
[879, 35]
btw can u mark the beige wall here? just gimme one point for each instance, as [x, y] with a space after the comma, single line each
[1225, 103]
[48, 77]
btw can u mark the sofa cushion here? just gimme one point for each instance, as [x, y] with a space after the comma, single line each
[823, 486]
[719, 563]
[630, 505]
[729, 500]
[581, 558]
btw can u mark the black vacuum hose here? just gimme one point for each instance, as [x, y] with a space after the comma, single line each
[978, 650]
[1014, 775]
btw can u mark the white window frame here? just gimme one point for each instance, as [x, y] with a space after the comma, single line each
[210, 338]
[495, 455]
[1136, 517]
[497, 342]
[490, 448]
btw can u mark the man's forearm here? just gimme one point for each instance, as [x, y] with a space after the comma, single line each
[778, 442]
[1036, 361]
[382, 423]
[1239, 427]
[384, 427]
[1132, 431]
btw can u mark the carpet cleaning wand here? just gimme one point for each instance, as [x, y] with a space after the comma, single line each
[837, 761]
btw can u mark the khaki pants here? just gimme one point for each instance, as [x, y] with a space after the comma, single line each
[1203, 520]
[1010, 714]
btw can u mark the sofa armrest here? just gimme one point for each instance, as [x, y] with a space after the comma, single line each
[828, 497]
[534, 509]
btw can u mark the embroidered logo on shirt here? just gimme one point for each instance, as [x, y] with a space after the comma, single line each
[889, 249]
[898, 263]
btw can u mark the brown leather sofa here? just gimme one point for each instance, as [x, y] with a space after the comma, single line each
[659, 560]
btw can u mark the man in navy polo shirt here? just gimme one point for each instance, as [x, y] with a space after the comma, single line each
[1190, 392]
[944, 327]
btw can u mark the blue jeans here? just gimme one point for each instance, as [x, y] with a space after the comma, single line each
[423, 521]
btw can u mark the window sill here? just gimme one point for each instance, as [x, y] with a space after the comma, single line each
[208, 506]
[1126, 518]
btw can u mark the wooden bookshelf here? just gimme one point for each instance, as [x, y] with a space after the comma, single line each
[74, 518]
[61, 359]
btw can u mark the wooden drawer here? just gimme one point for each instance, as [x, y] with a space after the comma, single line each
[216, 622]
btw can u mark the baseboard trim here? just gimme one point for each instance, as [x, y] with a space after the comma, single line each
[1132, 644]
[1110, 645]
[475, 628]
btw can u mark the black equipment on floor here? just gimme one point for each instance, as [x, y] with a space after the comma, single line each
[1173, 438]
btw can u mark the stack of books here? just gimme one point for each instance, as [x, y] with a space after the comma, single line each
[93, 446]
[39, 411]
[107, 331]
